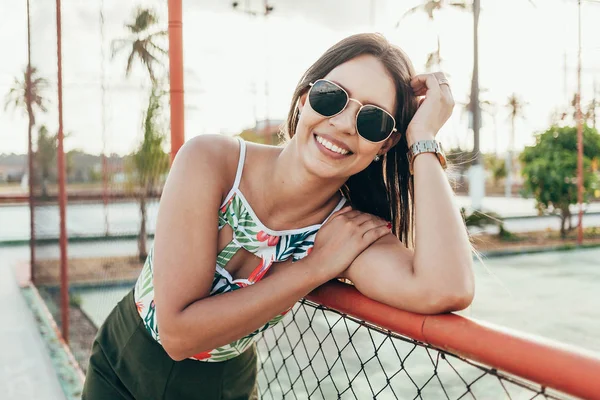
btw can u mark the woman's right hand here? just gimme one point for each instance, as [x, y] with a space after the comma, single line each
[345, 235]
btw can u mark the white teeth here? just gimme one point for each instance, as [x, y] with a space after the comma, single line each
[331, 146]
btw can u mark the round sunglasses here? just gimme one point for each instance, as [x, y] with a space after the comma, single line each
[373, 123]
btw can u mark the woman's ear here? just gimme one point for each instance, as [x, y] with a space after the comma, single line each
[301, 102]
[391, 142]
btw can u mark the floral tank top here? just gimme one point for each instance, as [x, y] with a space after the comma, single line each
[250, 234]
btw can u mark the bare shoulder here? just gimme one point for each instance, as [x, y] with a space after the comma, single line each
[207, 158]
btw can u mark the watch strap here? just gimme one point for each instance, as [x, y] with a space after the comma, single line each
[426, 146]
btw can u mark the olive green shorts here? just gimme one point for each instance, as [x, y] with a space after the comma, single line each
[127, 363]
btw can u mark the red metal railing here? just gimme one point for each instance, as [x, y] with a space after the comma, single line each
[312, 357]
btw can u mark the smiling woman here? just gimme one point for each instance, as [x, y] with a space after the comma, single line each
[244, 231]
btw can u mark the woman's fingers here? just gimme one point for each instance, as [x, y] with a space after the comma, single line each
[433, 84]
[444, 85]
[374, 234]
[424, 83]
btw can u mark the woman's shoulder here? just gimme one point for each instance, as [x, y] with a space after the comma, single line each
[207, 159]
[212, 147]
[216, 159]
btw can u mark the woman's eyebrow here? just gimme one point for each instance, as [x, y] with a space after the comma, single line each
[363, 103]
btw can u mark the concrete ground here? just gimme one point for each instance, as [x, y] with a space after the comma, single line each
[26, 370]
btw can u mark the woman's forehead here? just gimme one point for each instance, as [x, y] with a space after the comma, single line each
[366, 80]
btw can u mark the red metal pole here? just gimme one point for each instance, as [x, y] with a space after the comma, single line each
[579, 140]
[62, 193]
[176, 75]
[30, 155]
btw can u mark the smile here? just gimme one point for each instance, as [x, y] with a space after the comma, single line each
[330, 146]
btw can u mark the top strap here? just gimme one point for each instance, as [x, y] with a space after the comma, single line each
[240, 167]
[338, 207]
[238, 174]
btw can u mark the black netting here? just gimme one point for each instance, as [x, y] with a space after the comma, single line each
[319, 353]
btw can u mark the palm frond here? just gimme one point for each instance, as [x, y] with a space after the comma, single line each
[157, 48]
[410, 12]
[130, 61]
[117, 45]
[463, 6]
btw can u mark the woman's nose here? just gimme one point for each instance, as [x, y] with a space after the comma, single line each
[346, 120]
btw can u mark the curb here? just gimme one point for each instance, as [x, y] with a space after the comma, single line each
[536, 250]
[529, 216]
[71, 239]
[69, 373]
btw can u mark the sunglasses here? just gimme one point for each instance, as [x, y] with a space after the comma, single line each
[373, 123]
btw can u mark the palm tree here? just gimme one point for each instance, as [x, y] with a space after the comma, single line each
[434, 58]
[593, 106]
[142, 43]
[516, 108]
[591, 112]
[487, 106]
[45, 156]
[28, 95]
[16, 98]
[431, 6]
[149, 162]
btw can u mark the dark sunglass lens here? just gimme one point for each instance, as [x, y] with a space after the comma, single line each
[374, 124]
[326, 98]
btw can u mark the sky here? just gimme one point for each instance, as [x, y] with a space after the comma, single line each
[230, 57]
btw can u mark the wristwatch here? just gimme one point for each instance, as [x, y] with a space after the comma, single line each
[426, 146]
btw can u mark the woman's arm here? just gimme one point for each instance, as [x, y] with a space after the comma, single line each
[437, 277]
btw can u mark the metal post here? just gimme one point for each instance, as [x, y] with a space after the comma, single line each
[476, 172]
[267, 11]
[176, 75]
[579, 136]
[30, 154]
[62, 193]
[103, 88]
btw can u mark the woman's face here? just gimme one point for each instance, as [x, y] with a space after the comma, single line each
[366, 80]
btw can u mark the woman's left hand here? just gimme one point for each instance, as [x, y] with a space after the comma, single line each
[434, 109]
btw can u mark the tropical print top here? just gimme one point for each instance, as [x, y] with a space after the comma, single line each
[250, 234]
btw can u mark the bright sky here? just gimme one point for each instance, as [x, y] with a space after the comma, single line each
[228, 54]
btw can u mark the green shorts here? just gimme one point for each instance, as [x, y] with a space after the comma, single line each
[127, 363]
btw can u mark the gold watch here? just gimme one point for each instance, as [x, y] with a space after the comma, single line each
[426, 146]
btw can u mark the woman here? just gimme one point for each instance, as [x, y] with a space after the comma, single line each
[335, 201]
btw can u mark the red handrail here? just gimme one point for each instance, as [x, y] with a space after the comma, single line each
[552, 364]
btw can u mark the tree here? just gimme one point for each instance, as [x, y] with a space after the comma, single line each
[28, 95]
[149, 162]
[496, 166]
[434, 59]
[143, 42]
[488, 107]
[590, 114]
[550, 170]
[16, 98]
[45, 157]
[516, 108]
[431, 6]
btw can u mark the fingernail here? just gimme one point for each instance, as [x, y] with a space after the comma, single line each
[389, 225]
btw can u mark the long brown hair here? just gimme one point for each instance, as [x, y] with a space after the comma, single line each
[384, 188]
